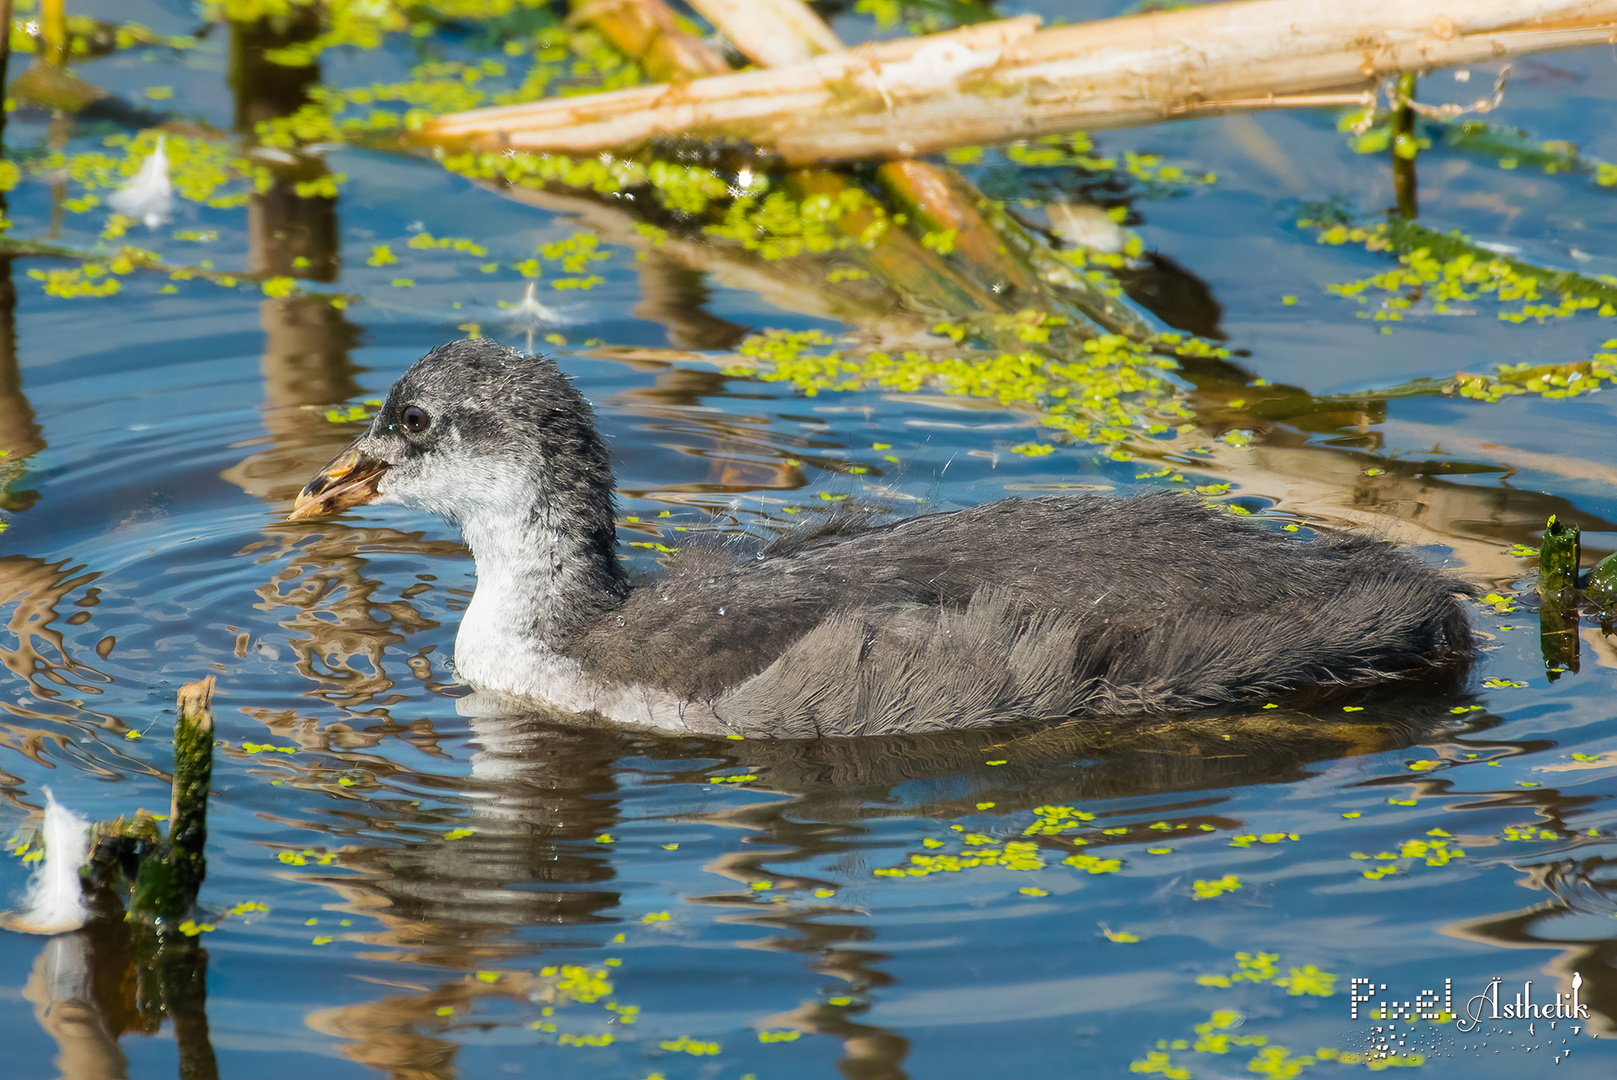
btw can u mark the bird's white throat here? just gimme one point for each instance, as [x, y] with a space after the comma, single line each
[522, 573]
[532, 581]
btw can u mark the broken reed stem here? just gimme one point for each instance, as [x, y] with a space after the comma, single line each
[924, 193]
[777, 33]
[934, 280]
[1404, 148]
[1008, 80]
[1558, 559]
[193, 775]
[168, 880]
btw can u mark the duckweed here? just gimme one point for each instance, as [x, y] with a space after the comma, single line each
[575, 982]
[1248, 839]
[1216, 1035]
[1107, 390]
[1092, 864]
[1159, 1063]
[1446, 269]
[1253, 967]
[979, 850]
[1207, 890]
[1433, 851]
[687, 1045]
[603, 1039]
[261, 748]
[304, 857]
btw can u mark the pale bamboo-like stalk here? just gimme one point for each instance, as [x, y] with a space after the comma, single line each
[626, 116]
[772, 33]
[1009, 80]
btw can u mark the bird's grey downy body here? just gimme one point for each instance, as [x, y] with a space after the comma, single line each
[1056, 606]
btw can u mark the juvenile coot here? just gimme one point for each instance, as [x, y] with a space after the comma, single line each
[1059, 606]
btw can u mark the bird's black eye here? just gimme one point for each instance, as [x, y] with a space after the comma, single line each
[415, 419]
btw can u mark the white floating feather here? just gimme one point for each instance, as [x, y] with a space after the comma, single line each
[56, 893]
[147, 197]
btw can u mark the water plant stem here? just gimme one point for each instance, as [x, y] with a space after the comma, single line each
[1404, 148]
[52, 31]
[1558, 559]
[193, 773]
[169, 877]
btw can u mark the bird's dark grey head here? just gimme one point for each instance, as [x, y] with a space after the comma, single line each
[483, 435]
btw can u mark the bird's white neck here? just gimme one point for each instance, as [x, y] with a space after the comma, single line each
[536, 584]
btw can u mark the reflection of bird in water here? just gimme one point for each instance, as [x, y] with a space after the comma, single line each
[1080, 605]
[523, 869]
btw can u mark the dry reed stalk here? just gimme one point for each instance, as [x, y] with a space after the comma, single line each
[772, 33]
[1009, 80]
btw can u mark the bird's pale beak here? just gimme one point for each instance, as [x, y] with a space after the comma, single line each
[349, 479]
